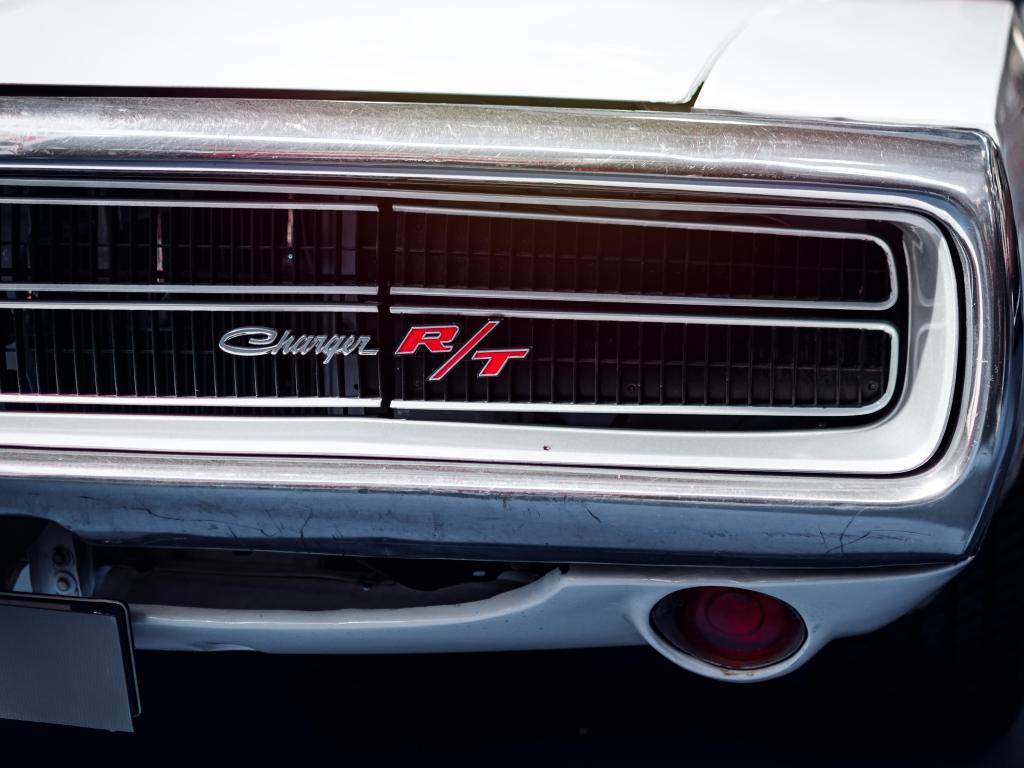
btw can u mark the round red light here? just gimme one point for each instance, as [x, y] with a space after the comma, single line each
[728, 627]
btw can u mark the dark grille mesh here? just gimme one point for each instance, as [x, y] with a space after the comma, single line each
[575, 362]
[492, 253]
[235, 247]
[174, 353]
[153, 245]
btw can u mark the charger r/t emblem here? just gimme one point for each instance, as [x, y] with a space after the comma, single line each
[440, 340]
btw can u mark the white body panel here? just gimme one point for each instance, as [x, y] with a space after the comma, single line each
[585, 607]
[654, 50]
[903, 61]
[925, 62]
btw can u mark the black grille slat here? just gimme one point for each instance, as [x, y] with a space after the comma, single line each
[613, 258]
[716, 365]
[157, 359]
[216, 252]
[153, 245]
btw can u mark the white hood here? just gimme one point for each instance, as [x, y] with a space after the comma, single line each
[923, 62]
[909, 61]
[634, 51]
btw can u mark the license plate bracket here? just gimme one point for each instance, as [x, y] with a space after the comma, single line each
[67, 661]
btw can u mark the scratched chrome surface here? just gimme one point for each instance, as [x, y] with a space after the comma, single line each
[956, 178]
[85, 132]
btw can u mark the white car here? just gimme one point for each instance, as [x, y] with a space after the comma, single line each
[340, 327]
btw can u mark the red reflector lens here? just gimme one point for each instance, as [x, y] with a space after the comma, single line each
[731, 628]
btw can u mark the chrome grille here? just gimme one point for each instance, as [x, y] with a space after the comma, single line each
[123, 303]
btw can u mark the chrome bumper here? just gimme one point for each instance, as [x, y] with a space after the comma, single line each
[499, 512]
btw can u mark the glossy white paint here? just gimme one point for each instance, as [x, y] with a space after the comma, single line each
[584, 607]
[649, 50]
[925, 62]
[904, 61]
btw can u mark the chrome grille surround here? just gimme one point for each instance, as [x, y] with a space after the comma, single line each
[952, 180]
[926, 388]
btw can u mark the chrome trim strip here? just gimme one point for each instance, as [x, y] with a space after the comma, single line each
[837, 411]
[633, 298]
[839, 210]
[157, 203]
[169, 306]
[628, 317]
[313, 290]
[653, 224]
[133, 401]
